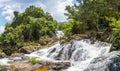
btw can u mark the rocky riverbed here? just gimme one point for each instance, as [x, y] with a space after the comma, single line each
[76, 55]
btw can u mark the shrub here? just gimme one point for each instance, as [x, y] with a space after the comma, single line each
[33, 60]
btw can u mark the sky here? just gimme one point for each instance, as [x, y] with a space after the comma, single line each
[55, 7]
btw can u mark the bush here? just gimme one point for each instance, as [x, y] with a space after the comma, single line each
[115, 26]
[33, 60]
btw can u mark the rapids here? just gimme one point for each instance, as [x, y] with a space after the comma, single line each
[81, 54]
[78, 52]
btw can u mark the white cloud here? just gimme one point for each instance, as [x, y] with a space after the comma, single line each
[2, 29]
[9, 6]
[55, 7]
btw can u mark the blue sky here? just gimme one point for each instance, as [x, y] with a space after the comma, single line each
[55, 7]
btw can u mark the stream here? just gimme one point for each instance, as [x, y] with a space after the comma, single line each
[81, 54]
[78, 52]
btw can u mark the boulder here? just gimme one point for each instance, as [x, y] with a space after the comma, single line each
[28, 49]
[114, 47]
[107, 62]
[58, 66]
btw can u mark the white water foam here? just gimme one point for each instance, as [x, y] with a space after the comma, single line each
[4, 61]
[79, 53]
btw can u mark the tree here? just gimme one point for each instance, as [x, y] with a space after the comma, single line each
[31, 25]
[92, 13]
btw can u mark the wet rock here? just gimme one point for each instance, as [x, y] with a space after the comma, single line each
[114, 47]
[36, 66]
[107, 62]
[58, 57]
[71, 50]
[23, 57]
[58, 66]
[18, 57]
[53, 50]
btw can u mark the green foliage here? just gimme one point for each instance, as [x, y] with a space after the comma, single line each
[11, 36]
[28, 26]
[72, 27]
[66, 27]
[33, 60]
[115, 25]
[90, 14]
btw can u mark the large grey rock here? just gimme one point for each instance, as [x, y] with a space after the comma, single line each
[59, 66]
[107, 62]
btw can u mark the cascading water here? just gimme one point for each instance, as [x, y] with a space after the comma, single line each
[81, 54]
[78, 52]
[4, 61]
[59, 33]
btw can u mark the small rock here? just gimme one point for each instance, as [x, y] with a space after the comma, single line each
[36, 66]
[3, 55]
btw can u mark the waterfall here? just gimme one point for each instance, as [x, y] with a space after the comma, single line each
[59, 33]
[79, 55]
[78, 52]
